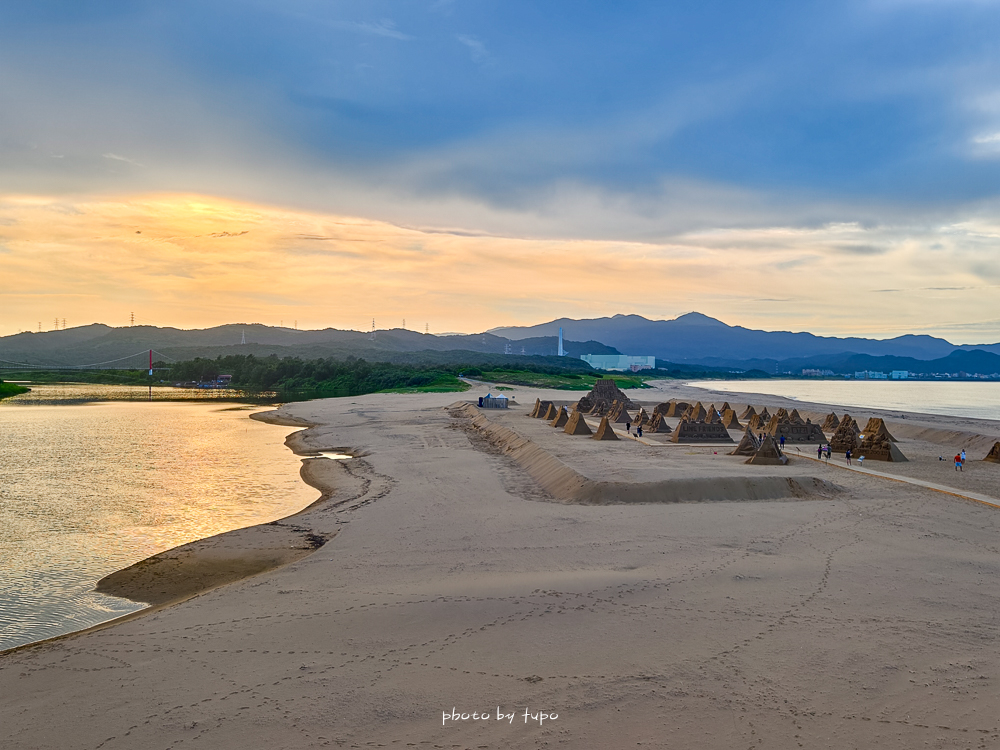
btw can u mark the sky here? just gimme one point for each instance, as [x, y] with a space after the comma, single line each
[465, 164]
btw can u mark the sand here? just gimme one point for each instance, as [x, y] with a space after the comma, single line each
[461, 569]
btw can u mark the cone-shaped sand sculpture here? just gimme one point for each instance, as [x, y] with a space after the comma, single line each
[621, 416]
[757, 423]
[765, 416]
[713, 416]
[846, 437]
[534, 410]
[782, 414]
[604, 391]
[748, 445]
[550, 412]
[600, 409]
[876, 426]
[994, 455]
[795, 417]
[661, 408]
[677, 408]
[767, 454]
[795, 432]
[543, 409]
[695, 413]
[577, 425]
[748, 413]
[605, 431]
[729, 420]
[878, 447]
[562, 417]
[725, 405]
[641, 419]
[831, 423]
[658, 424]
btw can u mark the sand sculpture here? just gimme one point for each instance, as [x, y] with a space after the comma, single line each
[617, 413]
[600, 409]
[550, 412]
[876, 426]
[677, 408]
[879, 447]
[640, 418]
[695, 413]
[782, 414]
[729, 420]
[534, 409]
[562, 417]
[577, 425]
[768, 454]
[748, 445]
[794, 432]
[831, 422]
[725, 405]
[757, 423]
[796, 418]
[713, 416]
[748, 413]
[658, 424]
[994, 455]
[765, 416]
[689, 431]
[541, 409]
[604, 391]
[604, 431]
[846, 436]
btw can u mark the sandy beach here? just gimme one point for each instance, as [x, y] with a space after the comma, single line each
[635, 593]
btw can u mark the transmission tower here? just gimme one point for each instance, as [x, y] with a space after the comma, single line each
[427, 328]
[372, 336]
[64, 324]
[56, 325]
[243, 338]
[131, 321]
[39, 326]
[404, 323]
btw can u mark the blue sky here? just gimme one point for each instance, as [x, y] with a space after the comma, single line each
[637, 121]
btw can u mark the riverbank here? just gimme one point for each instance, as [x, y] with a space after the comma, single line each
[459, 579]
[11, 389]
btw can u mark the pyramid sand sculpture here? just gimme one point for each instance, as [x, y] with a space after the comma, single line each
[661, 408]
[804, 432]
[542, 410]
[729, 420]
[658, 424]
[768, 454]
[562, 417]
[876, 426]
[765, 416]
[677, 408]
[725, 405]
[695, 413]
[782, 414]
[846, 436]
[831, 422]
[534, 410]
[712, 416]
[878, 447]
[748, 445]
[756, 423]
[605, 390]
[550, 412]
[748, 412]
[604, 431]
[700, 432]
[994, 455]
[577, 425]
[622, 417]
[640, 418]
[795, 417]
[614, 410]
[599, 410]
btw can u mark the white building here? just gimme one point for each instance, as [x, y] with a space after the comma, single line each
[899, 374]
[619, 362]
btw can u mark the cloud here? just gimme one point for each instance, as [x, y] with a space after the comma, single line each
[116, 157]
[476, 48]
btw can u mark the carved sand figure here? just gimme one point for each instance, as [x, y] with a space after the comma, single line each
[562, 417]
[550, 412]
[729, 420]
[846, 436]
[757, 423]
[831, 423]
[700, 432]
[677, 408]
[712, 415]
[748, 413]
[748, 444]
[534, 410]
[605, 391]
[795, 417]
[879, 447]
[577, 425]
[765, 416]
[542, 409]
[994, 455]
[641, 419]
[794, 432]
[768, 454]
[695, 413]
[658, 424]
[605, 431]
[876, 426]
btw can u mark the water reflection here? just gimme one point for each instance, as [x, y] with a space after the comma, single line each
[89, 486]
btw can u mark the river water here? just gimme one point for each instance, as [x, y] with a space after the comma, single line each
[89, 485]
[961, 399]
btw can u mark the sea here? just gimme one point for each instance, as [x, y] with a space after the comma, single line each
[95, 478]
[980, 400]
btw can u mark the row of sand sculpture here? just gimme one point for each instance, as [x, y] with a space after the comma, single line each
[572, 424]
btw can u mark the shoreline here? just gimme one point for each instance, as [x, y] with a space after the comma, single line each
[189, 570]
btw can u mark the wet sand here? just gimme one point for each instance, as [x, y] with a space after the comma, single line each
[858, 612]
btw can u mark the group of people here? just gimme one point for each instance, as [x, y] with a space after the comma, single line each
[960, 460]
[638, 429]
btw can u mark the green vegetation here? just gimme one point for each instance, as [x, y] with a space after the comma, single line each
[566, 381]
[11, 389]
[104, 377]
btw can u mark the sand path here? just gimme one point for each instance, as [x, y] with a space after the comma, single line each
[864, 619]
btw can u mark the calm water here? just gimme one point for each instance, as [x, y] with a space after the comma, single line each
[90, 486]
[965, 399]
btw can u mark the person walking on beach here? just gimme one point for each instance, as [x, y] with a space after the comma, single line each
[628, 427]
[848, 456]
[638, 431]
[962, 454]
[958, 463]
[819, 451]
[782, 443]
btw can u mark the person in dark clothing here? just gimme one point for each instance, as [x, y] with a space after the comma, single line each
[848, 456]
